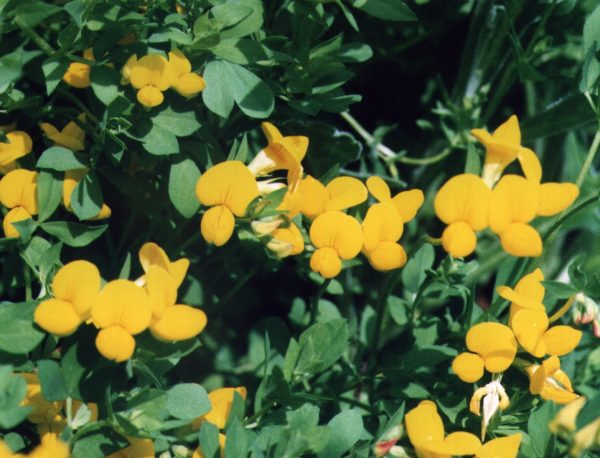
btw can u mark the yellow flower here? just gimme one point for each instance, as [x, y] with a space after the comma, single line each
[339, 194]
[72, 136]
[19, 145]
[493, 347]
[382, 228]
[228, 188]
[139, 448]
[18, 191]
[151, 76]
[425, 431]
[406, 202]
[78, 74]
[42, 411]
[502, 148]
[286, 241]
[516, 201]
[564, 423]
[52, 448]
[198, 453]
[185, 82]
[170, 322]
[462, 203]
[221, 401]
[336, 236]
[121, 311]
[550, 382]
[71, 180]
[281, 153]
[151, 254]
[75, 289]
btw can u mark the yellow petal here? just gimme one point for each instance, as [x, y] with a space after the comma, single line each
[345, 192]
[387, 256]
[221, 401]
[115, 343]
[457, 443]
[19, 145]
[18, 188]
[495, 343]
[529, 327]
[54, 448]
[296, 145]
[314, 197]
[459, 239]
[408, 203]
[178, 270]
[514, 199]
[379, 188]
[151, 70]
[104, 213]
[482, 135]
[531, 286]
[519, 300]
[73, 130]
[339, 231]
[77, 75]
[271, 132]
[530, 164]
[151, 254]
[78, 282]
[72, 178]
[178, 322]
[519, 239]
[382, 223]
[424, 424]
[325, 261]
[561, 340]
[123, 303]
[141, 448]
[161, 290]
[126, 70]
[501, 447]
[555, 197]
[180, 64]
[57, 317]
[14, 216]
[292, 236]
[217, 225]
[468, 367]
[149, 96]
[189, 85]
[463, 198]
[508, 132]
[229, 183]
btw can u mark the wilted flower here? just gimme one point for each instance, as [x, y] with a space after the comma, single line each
[494, 397]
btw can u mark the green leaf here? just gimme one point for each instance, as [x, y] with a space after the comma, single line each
[558, 289]
[179, 123]
[388, 10]
[18, 335]
[589, 412]
[234, 25]
[61, 159]
[243, 51]
[12, 391]
[237, 440]
[97, 441]
[591, 43]
[160, 141]
[537, 427]
[187, 401]
[105, 83]
[346, 428]
[182, 184]
[49, 193]
[86, 198]
[52, 380]
[54, 68]
[217, 97]
[414, 273]
[209, 440]
[74, 234]
[302, 434]
[34, 12]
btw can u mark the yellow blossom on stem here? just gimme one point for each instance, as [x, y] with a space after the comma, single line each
[185, 82]
[492, 346]
[336, 237]
[170, 321]
[382, 228]
[75, 289]
[19, 144]
[139, 448]
[339, 194]
[550, 382]
[221, 401]
[71, 180]
[462, 203]
[18, 192]
[71, 136]
[151, 254]
[151, 76]
[78, 73]
[121, 311]
[228, 188]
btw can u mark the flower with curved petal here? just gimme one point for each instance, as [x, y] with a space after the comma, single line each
[185, 82]
[19, 144]
[228, 188]
[550, 382]
[281, 153]
[286, 241]
[122, 310]
[75, 288]
[462, 203]
[492, 346]
[18, 191]
[151, 254]
[78, 73]
[407, 203]
[382, 228]
[151, 76]
[336, 236]
[339, 194]
[71, 136]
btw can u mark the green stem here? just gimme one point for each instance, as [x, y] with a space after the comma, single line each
[589, 159]
[314, 302]
[568, 215]
[34, 36]
[27, 280]
[88, 114]
[425, 160]
[488, 264]
[388, 286]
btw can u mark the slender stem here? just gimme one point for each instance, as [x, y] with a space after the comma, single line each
[34, 36]
[27, 280]
[425, 160]
[388, 286]
[569, 214]
[81, 106]
[589, 159]
[314, 302]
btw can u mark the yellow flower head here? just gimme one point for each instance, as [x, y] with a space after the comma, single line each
[78, 74]
[382, 228]
[72, 136]
[336, 236]
[139, 448]
[281, 153]
[502, 148]
[151, 76]
[18, 191]
[228, 188]
[339, 194]
[221, 401]
[407, 203]
[550, 382]
[19, 145]
[151, 254]
[121, 311]
[170, 322]
[185, 82]
[462, 203]
[492, 346]
[71, 180]
[75, 289]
